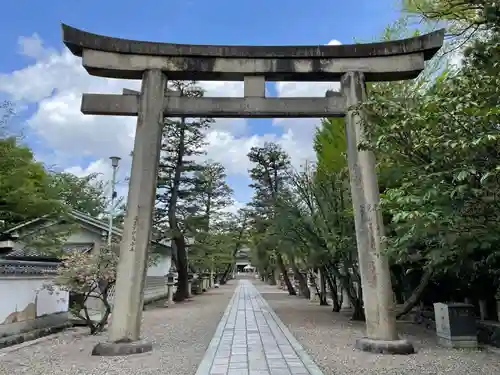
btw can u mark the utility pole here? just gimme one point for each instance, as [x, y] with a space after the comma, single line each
[114, 163]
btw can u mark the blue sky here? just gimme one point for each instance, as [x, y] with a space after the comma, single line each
[46, 83]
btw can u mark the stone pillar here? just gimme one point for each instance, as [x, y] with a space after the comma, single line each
[204, 282]
[374, 266]
[135, 243]
[190, 285]
[170, 289]
[311, 283]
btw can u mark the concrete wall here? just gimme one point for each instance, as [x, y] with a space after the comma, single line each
[26, 305]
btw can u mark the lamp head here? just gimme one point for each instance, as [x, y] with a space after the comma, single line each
[114, 161]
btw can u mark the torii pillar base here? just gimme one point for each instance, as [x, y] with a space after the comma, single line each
[385, 346]
[121, 348]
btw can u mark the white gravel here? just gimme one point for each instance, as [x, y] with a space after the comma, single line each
[329, 339]
[180, 336]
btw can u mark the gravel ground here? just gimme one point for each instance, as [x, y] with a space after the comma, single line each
[180, 336]
[329, 339]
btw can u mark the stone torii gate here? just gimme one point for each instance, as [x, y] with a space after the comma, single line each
[154, 63]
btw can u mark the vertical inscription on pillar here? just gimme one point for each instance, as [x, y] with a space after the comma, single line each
[133, 234]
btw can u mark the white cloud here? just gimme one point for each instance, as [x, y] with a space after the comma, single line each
[307, 89]
[82, 144]
[303, 130]
[32, 46]
[334, 42]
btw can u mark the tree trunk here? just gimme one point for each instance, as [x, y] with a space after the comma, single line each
[417, 293]
[182, 291]
[304, 290]
[289, 286]
[356, 299]
[358, 312]
[322, 286]
[332, 285]
[178, 238]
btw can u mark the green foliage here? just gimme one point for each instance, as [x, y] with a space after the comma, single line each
[87, 276]
[208, 224]
[270, 178]
[25, 186]
[28, 191]
[85, 194]
[210, 197]
[463, 15]
[183, 141]
[437, 149]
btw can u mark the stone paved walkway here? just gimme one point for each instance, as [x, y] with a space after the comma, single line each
[251, 340]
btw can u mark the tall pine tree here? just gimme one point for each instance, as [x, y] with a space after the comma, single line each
[183, 140]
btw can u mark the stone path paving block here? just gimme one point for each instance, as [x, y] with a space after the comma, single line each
[251, 340]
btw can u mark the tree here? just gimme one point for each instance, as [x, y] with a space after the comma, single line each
[87, 276]
[211, 194]
[85, 194]
[205, 224]
[270, 176]
[436, 141]
[25, 186]
[315, 219]
[238, 234]
[6, 113]
[465, 16]
[183, 140]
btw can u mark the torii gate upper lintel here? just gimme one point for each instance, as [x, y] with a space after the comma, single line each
[233, 63]
[154, 63]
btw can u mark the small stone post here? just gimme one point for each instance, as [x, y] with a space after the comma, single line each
[211, 279]
[124, 333]
[311, 283]
[204, 281]
[378, 300]
[190, 285]
[170, 288]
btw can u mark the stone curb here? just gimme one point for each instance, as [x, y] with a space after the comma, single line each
[32, 335]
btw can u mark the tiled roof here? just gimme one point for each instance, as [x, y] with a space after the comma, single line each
[85, 219]
[33, 253]
[20, 267]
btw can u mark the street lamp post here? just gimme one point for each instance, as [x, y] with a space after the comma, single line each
[114, 163]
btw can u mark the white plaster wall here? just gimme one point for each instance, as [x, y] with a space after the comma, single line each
[17, 292]
[83, 236]
[161, 268]
[80, 236]
[155, 288]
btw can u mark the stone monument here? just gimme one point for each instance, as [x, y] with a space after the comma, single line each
[155, 63]
[455, 325]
